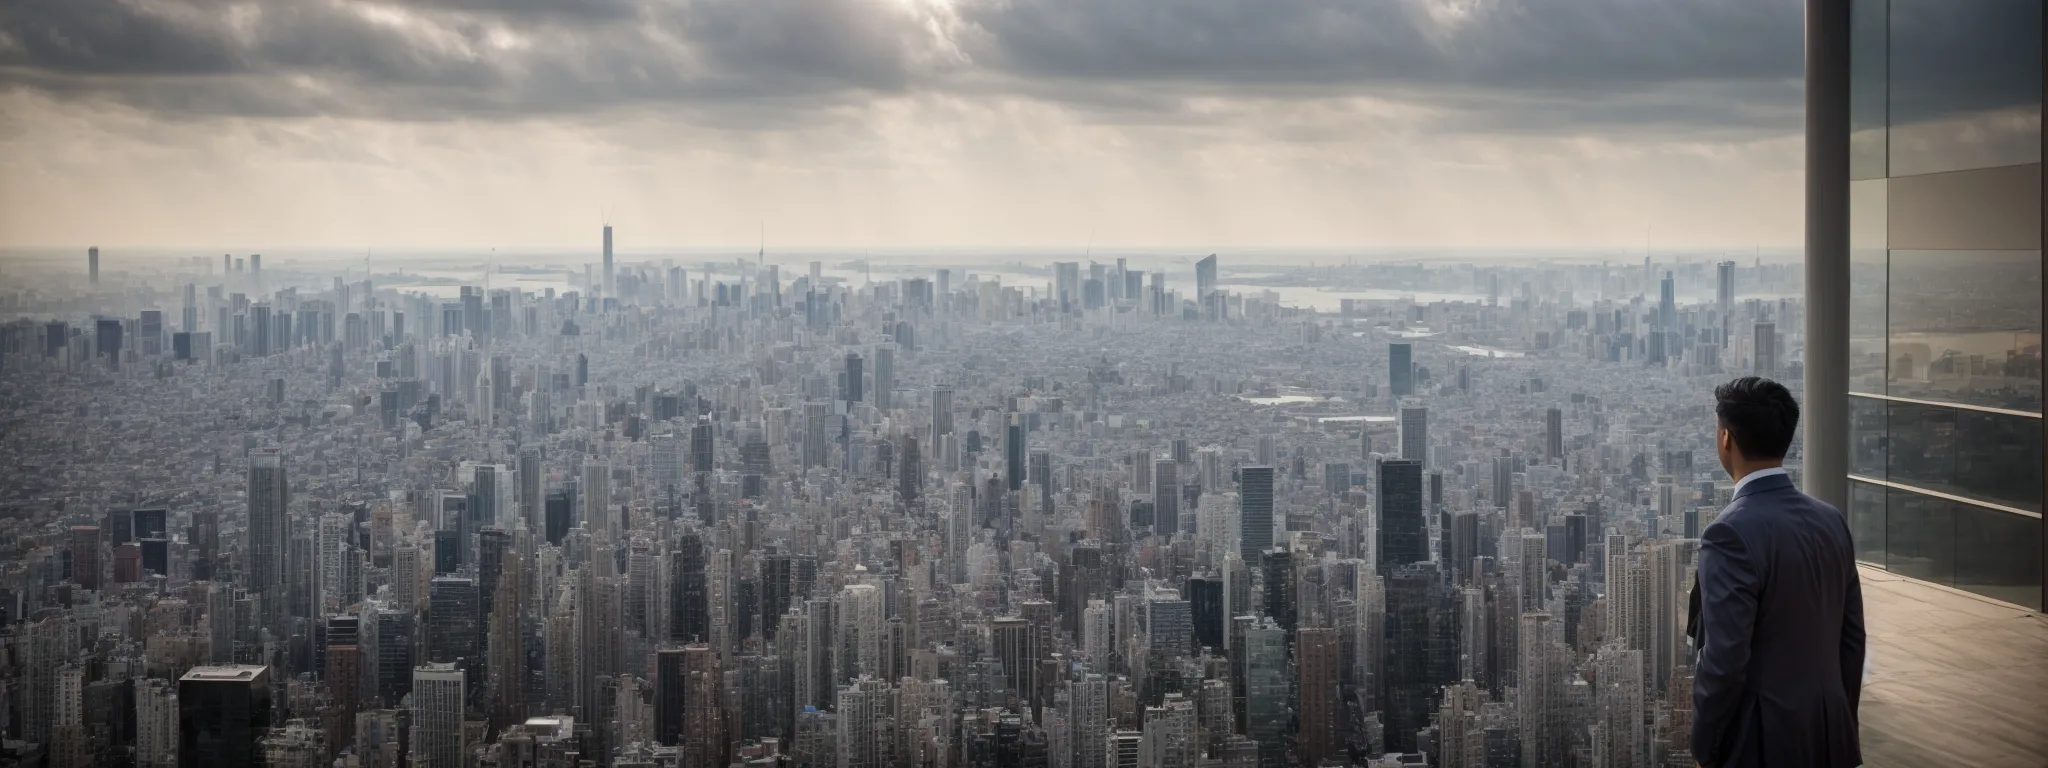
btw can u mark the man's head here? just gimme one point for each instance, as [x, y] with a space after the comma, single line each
[1757, 417]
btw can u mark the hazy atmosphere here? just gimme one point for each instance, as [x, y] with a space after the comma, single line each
[900, 123]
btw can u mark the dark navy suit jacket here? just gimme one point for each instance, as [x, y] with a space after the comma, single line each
[1781, 614]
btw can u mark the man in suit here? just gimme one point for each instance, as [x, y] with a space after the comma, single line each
[1780, 626]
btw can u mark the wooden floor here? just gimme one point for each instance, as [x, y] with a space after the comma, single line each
[1953, 680]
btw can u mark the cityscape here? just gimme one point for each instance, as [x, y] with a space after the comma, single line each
[623, 504]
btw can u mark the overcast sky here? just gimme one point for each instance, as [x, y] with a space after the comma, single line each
[880, 123]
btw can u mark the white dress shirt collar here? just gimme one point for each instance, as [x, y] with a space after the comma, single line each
[1755, 476]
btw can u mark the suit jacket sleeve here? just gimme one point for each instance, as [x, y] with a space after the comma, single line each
[1852, 640]
[1729, 585]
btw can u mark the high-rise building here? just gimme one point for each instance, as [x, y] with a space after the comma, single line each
[1255, 512]
[854, 378]
[85, 556]
[437, 707]
[703, 445]
[1553, 434]
[1322, 713]
[942, 413]
[454, 634]
[1540, 699]
[1415, 434]
[1403, 531]
[885, 376]
[1400, 369]
[92, 264]
[1166, 501]
[610, 285]
[867, 720]
[1268, 689]
[222, 712]
[596, 490]
[1420, 649]
[156, 723]
[1013, 452]
[1764, 357]
[269, 498]
[1724, 296]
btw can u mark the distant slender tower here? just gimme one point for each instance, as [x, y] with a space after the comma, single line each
[92, 263]
[1766, 353]
[1724, 295]
[609, 286]
[256, 270]
[268, 497]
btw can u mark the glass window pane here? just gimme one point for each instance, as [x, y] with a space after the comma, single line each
[1919, 534]
[1866, 521]
[1998, 555]
[1988, 456]
[1867, 89]
[1965, 327]
[1986, 209]
[1868, 266]
[1867, 437]
[1965, 79]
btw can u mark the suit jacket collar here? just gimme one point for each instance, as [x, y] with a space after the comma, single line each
[1765, 484]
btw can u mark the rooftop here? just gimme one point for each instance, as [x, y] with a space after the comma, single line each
[228, 672]
[1953, 679]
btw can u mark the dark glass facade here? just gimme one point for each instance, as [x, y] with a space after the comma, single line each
[1945, 347]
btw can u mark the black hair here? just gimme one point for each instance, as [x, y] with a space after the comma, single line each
[1759, 415]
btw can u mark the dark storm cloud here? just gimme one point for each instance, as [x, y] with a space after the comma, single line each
[1565, 62]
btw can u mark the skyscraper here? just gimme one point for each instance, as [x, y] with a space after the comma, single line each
[942, 413]
[610, 286]
[1420, 649]
[885, 376]
[1255, 512]
[454, 634]
[1765, 355]
[1013, 452]
[1540, 693]
[670, 684]
[222, 712]
[1205, 284]
[1400, 369]
[1553, 434]
[1403, 533]
[1415, 435]
[269, 497]
[437, 707]
[702, 442]
[596, 491]
[1724, 295]
[1166, 501]
[1322, 712]
[853, 377]
[92, 264]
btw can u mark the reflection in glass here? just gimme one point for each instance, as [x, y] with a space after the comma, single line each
[1965, 84]
[1866, 521]
[1991, 457]
[1867, 89]
[1867, 270]
[1965, 327]
[1998, 554]
[1867, 436]
[1919, 533]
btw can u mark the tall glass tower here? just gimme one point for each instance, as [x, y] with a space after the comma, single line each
[1924, 218]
